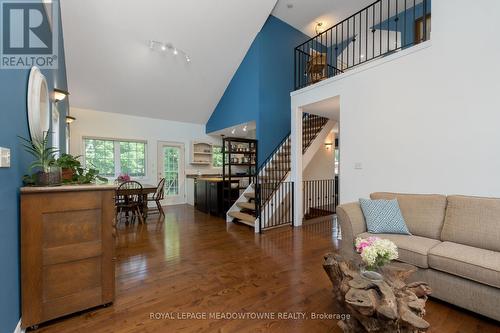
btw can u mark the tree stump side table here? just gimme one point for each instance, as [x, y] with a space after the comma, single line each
[387, 306]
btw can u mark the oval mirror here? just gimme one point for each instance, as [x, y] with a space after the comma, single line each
[38, 104]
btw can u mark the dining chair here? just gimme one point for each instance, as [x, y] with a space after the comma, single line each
[158, 197]
[129, 199]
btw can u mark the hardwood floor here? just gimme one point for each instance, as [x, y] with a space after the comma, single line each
[194, 264]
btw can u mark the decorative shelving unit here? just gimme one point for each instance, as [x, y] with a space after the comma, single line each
[201, 153]
[239, 161]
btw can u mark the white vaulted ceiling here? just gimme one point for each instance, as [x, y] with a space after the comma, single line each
[111, 68]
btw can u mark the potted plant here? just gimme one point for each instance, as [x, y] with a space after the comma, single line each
[48, 173]
[69, 165]
[87, 176]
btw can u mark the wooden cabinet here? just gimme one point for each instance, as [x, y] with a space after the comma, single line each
[67, 250]
[208, 195]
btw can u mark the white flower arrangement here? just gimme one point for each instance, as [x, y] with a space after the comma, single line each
[376, 252]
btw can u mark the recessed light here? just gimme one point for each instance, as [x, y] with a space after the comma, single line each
[362, 56]
[176, 52]
[163, 48]
[244, 128]
[233, 131]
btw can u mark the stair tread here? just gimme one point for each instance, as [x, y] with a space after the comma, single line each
[249, 195]
[242, 217]
[246, 205]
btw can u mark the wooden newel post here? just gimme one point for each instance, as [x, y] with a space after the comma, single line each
[391, 305]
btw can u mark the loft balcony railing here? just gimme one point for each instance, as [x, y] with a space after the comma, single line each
[382, 28]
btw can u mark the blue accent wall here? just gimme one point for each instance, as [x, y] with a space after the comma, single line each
[260, 89]
[240, 102]
[14, 122]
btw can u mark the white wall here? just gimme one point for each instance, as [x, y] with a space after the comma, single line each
[115, 125]
[322, 165]
[427, 119]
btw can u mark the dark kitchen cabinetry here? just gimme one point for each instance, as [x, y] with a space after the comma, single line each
[200, 195]
[214, 198]
[208, 196]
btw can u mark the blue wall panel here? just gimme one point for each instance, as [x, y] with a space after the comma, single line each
[14, 122]
[278, 41]
[240, 102]
[260, 89]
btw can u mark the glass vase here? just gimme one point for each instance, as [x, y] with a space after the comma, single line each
[370, 273]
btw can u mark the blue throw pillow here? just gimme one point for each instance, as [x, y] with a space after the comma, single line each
[383, 217]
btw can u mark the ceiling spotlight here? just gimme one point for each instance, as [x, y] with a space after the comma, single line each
[362, 56]
[164, 46]
[233, 131]
[245, 128]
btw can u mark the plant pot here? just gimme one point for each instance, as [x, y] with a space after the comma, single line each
[370, 274]
[67, 174]
[48, 178]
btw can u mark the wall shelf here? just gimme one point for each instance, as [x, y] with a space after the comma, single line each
[201, 153]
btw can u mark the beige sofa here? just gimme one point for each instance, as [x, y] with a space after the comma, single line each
[455, 243]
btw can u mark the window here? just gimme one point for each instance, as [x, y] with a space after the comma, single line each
[217, 157]
[99, 154]
[113, 157]
[132, 158]
[171, 171]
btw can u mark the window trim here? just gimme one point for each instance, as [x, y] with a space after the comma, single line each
[116, 155]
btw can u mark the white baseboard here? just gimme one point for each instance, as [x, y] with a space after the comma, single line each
[18, 327]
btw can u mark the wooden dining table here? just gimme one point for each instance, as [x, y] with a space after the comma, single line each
[146, 190]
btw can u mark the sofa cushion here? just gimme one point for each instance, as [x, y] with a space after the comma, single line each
[383, 216]
[473, 221]
[466, 261]
[412, 249]
[423, 213]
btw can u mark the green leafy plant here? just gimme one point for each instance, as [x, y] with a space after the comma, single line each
[67, 161]
[38, 148]
[87, 176]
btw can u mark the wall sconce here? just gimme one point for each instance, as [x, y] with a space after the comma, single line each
[328, 145]
[60, 94]
[319, 28]
[70, 119]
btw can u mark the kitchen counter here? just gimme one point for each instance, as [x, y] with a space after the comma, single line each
[68, 188]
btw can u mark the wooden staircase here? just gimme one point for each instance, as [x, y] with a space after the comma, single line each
[247, 209]
[272, 173]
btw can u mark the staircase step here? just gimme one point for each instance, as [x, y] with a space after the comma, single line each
[249, 195]
[243, 218]
[246, 205]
